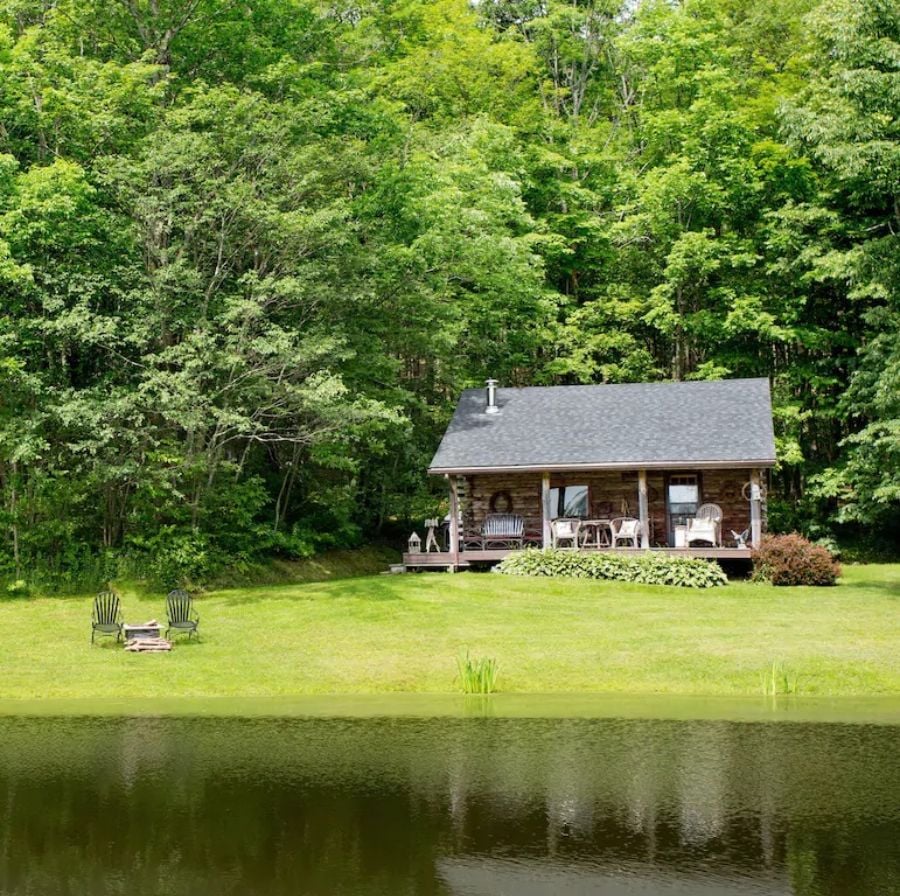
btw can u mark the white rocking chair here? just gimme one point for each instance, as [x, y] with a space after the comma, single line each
[706, 525]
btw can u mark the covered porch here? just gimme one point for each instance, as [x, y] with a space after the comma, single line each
[494, 512]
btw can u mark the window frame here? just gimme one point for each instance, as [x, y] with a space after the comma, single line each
[558, 506]
[672, 479]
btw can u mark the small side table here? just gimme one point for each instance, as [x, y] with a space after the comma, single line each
[147, 630]
[598, 531]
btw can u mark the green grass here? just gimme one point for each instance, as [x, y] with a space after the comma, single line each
[334, 564]
[382, 634]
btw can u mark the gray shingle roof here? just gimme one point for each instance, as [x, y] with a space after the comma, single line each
[704, 423]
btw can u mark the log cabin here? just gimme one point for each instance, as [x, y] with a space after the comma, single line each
[578, 466]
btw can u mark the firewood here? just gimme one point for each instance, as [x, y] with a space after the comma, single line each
[148, 645]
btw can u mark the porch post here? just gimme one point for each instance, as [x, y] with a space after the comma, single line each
[642, 509]
[755, 510]
[454, 523]
[545, 510]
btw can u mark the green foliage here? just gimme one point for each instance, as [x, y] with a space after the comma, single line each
[76, 566]
[646, 569]
[477, 676]
[793, 560]
[846, 120]
[173, 559]
[249, 258]
[18, 588]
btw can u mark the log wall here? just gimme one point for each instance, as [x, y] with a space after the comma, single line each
[525, 497]
[611, 494]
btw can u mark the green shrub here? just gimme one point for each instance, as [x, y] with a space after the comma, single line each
[19, 588]
[77, 567]
[175, 559]
[793, 560]
[830, 545]
[645, 569]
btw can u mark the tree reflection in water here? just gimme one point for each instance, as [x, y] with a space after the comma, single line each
[391, 806]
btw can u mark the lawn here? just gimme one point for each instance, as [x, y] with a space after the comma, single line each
[380, 634]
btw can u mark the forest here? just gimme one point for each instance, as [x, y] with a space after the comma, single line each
[252, 250]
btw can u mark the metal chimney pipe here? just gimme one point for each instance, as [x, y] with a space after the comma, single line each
[491, 406]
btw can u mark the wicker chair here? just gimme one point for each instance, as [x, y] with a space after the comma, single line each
[625, 528]
[564, 529]
[706, 525]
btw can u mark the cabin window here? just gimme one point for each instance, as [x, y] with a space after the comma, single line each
[682, 499]
[684, 494]
[569, 500]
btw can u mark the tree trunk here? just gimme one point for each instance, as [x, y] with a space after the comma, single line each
[13, 508]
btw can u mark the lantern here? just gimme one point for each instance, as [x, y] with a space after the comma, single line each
[415, 544]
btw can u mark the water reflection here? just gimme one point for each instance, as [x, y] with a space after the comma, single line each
[447, 806]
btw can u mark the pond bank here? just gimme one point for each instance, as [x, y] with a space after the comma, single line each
[840, 710]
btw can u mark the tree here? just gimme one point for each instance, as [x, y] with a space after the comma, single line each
[846, 120]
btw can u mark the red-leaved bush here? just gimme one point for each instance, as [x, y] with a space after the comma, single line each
[793, 560]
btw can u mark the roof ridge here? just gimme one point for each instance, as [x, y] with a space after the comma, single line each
[653, 383]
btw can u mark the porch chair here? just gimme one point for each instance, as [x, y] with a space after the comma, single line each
[180, 614]
[564, 529]
[706, 525]
[106, 618]
[625, 528]
[504, 529]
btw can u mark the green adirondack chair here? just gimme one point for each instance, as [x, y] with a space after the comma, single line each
[107, 615]
[180, 613]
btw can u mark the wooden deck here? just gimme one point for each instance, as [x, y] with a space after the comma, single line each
[443, 559]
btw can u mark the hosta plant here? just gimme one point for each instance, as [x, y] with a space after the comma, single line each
[645, 569]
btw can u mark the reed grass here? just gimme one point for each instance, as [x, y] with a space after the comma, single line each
[477, 676]
[779, 680]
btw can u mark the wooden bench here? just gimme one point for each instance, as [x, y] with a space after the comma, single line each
[499, 529]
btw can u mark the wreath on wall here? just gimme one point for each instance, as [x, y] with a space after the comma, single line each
[501, 502]
[747, 489]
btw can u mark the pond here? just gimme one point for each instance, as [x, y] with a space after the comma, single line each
[447, 805]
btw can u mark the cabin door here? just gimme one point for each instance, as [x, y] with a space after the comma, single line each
[682, 500]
